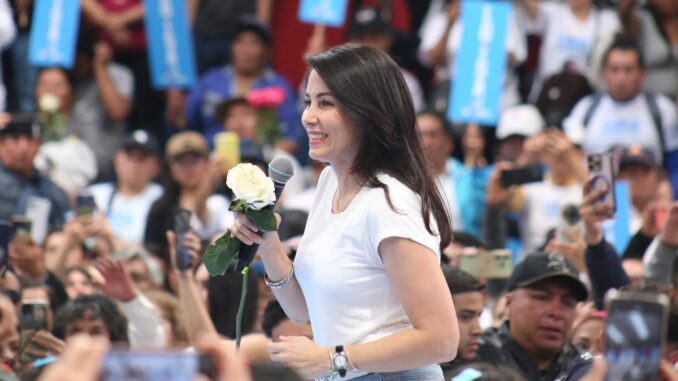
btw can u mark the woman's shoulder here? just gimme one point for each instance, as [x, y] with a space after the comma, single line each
[402, 198]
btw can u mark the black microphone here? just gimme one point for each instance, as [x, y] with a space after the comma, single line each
[280, 170]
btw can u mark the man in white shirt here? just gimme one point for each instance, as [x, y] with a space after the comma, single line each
[625, 115]
[127, 201]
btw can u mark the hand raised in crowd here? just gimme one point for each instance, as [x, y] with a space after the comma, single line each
[669, 234]
[573, 249]
[301, 354]
[81, 361]
[594, 212]
[103, 53]
[228, 366]
[117, 282]
[650, 227]
[497, 195]
[453, 11]
[192, 243]
[44, 339]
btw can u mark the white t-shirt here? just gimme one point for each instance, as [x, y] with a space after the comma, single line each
[432, 29]
[541, 212]
[219, 218]
[349, 295]
[567, 38]
[446, 187]
[623, 124]
[126, 215]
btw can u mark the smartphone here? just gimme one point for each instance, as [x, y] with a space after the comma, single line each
[5, 238]
[493, 264]
[570, 223]
[85, 204]
[33, 319]
[154, 365]
[227, 146]
[182, 226]
[601, 168]
[520, 176]
[21, 228]
[635, 334]
[37, 210]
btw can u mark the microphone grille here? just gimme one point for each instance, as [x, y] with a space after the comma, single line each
[280, 170]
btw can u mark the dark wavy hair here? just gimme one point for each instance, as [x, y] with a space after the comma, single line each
[372, 94]
[100, 307]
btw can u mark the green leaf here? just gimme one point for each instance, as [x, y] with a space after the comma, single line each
[264, 219]
[219, 256]
[238, 206]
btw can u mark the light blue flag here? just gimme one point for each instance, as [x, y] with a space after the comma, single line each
[480, 62]
[54, 32]
[618, 230]
[170, 47]
[324, 12]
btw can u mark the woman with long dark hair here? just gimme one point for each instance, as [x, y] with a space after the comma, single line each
[367, 273]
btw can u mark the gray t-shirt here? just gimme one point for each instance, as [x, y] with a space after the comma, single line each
[661, 58]
[90, 122]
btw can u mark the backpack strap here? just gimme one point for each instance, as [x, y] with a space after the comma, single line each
[653, 106]
[595, 102]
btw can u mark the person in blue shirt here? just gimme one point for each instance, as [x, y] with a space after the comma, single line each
[247, 71]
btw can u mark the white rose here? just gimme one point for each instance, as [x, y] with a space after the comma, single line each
[49, 103]
[248, 182]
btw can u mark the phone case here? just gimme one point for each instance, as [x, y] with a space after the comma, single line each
[601, 168]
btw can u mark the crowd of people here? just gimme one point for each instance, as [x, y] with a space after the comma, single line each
[583, 77]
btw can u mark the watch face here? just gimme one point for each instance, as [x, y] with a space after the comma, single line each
[340, 361]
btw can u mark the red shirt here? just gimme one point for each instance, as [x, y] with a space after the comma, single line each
[138, 33]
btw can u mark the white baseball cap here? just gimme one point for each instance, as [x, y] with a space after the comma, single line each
[524, 120]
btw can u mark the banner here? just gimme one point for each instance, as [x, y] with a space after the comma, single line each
[170, 47]
[324, 12]
[480, 62]
[618, 230]
[54, 32]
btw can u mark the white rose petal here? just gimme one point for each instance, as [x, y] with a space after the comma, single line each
[248, 182]
[49, 103]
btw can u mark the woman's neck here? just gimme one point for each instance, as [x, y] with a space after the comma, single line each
[348, 185]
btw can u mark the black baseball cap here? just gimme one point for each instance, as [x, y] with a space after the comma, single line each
[637, 154]
[21, 124]
[142, 140]
[252, 24]
[369, 19]
[540, 266]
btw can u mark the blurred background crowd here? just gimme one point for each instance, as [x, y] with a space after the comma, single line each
[583, 77]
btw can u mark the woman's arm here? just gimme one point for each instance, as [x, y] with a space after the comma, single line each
[434, 338]
[420, 285]
[278, 266]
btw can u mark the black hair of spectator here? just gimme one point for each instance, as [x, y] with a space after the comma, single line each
[292, 224]
[223, 295]
[100, 307]
[459, 281]
[467, 240]
[70, 77]
[273, 372]
[250, 23]
[624, 43]
[87, 40]
[491, 372]
[80, 270]
[224, 108]
[273, 315]
[447, 127]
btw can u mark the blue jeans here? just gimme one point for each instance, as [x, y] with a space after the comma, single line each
[426, 373]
